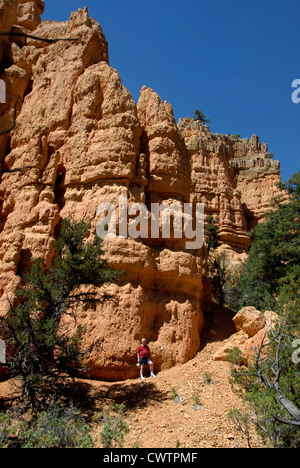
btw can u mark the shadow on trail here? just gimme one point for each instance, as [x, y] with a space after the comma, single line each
[133, 396]
[6, 403]
[91, 397]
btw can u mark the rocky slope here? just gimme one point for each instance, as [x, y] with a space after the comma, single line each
[79, 139]
[196, 419]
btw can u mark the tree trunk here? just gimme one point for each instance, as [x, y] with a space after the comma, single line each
[293, 411]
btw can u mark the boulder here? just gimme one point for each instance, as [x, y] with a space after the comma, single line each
[253, 344]
[237, 340]
[253, 327]
[250, 320]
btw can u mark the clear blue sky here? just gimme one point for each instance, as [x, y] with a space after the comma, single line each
[235, 60]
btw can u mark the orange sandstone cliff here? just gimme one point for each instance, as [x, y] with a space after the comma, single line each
[79, 139]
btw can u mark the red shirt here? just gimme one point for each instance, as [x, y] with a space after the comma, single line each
[144, 351]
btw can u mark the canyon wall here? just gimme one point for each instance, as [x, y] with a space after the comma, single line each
[235, 179]
[78, 139]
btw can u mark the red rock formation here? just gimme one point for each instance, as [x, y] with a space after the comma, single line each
[80, 140]
[235, 179]
[252, 329]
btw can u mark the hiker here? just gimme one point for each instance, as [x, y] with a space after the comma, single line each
[144, 358]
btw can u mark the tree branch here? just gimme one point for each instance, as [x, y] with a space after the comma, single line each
[289, 406]
[44, 39]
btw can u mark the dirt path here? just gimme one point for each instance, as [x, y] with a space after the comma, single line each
[157, 421]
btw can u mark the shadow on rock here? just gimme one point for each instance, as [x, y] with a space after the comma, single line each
[218, 325]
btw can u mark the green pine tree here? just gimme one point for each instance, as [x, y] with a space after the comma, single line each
[271, 281]
[211, 235]
[217, 263]
[201, 117]
[274, 256]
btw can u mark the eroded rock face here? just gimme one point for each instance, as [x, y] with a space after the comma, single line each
[235, 179]
[29, 12]
[78, 140]
[169, 164]
[252, 329]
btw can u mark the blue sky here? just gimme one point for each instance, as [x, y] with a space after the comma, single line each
[235, 60]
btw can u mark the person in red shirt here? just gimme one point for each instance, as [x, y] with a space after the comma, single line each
[144, 358]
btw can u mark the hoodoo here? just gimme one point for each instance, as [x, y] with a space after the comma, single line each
[78, 139]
